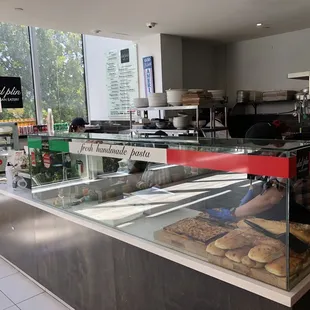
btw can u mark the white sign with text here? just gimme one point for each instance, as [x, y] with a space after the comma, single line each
[119, 151]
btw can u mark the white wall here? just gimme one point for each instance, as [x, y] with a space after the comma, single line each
[95, 48]
[263, 64]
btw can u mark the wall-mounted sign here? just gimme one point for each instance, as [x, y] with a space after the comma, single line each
[11, 92]
[148, 70]
[121, 81]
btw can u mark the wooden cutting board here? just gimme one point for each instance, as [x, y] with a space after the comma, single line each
[198, 249]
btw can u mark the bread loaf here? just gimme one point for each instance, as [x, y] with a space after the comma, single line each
[274, 227]
[301, 231]
[251, 263]
[265, 253]
[278, 266]
[213, 250]
[237, 254]
[232, 240]
[271, 242]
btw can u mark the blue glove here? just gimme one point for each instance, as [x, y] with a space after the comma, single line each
[221, 214]
[248, 197]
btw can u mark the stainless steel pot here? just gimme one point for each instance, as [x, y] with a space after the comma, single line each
[243, 96]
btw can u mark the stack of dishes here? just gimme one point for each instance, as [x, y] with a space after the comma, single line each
[256, 96]
[141, 102]
[157, 100]
[217, 94]
[174, 96]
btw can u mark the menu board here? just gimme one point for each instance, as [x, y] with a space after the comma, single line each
[121, 81]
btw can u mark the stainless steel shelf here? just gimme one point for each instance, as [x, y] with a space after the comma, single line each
[207, 129]
[171, 131]
[305, 76]
[182, 107]
[299, 75]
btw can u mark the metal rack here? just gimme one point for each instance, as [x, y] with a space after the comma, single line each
[12, 139]
[302, 106]
[212, 105]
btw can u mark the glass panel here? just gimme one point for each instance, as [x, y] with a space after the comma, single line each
[15, 61]
[229, 144]
[298, 263]
[211, 200]
[61, 74]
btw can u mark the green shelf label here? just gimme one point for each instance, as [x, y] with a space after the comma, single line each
[34, 143]
[55, 145]
[59, 146]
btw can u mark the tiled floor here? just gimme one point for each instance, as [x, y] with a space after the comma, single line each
[19, 293]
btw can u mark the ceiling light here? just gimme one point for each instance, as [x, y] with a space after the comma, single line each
[121, 33]
[259, 25]
[18, 9]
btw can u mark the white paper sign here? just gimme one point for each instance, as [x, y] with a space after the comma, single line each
[119, 151]
[122, 84]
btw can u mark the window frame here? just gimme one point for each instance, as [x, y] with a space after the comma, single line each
[36, 76]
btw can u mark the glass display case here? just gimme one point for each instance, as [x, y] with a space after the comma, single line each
[242, 205]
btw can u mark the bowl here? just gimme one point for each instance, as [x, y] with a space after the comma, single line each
[180, 122]
[201, 123]
[174, 96]
[161, 125]
[141, 102]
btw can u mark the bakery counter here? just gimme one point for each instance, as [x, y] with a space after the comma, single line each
[166, 223]
[117, 265]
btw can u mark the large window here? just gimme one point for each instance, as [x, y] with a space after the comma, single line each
[59, 76]
[61, 71]
[15, 61]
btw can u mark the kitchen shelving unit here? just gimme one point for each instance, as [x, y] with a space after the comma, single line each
[212, 105]
[11, 136]
[300, 76]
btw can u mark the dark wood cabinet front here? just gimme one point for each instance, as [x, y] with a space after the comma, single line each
[91, 271]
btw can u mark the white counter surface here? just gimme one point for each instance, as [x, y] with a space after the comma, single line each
[141, 235]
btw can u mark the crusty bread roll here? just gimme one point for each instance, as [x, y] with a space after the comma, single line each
[278, 266]
[248, 262]
[212, 249]
[237, 254]
[301, 231]
[265, 253]
[269, 241]
[250, 232]
[274, 227]
[243, 224]
[251, 263]
[303, 256]
[232, 240]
